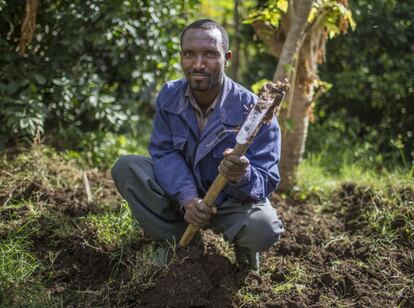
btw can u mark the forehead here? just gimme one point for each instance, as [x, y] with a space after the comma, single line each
[211, 38]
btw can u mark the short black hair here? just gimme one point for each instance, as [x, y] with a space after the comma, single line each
[208, 24]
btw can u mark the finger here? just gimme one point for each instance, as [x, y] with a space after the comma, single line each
[232, 177]
[239, 160]
[244, 160]
[223, 169]
[230, 173]
[233, 167]
[202, 217]
[189, 219]
[214, 209]
[203, 207]
[195, 220]
[227, 151]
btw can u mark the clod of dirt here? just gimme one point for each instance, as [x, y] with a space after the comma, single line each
[289, 248]
[183, 285]
[304, 239]
[81, 267]
[406, 194]
[279, 276]
[12, 213]
[327, 279]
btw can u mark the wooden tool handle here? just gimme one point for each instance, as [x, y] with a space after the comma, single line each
[271, 96]
[210, 197]
[188, 235]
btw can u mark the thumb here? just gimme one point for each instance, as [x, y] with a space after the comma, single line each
[227, 152]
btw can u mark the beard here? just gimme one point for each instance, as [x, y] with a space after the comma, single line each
[200, 86]
[200, 82]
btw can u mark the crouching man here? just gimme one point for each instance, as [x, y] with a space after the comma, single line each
[194, 131]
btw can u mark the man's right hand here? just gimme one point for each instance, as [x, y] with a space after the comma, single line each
[198, 213]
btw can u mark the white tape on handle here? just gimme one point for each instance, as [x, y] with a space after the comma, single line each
[249, 126]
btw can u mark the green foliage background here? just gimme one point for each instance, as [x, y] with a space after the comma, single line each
[91, 65]
[94, 68]
[370, 108]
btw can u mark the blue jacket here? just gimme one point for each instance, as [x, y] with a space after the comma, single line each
[186, 163]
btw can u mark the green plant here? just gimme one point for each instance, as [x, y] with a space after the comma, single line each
[101, 150]
[371, 70]
[20, 282]
[116, 55]
[114, 229]
[295, 278]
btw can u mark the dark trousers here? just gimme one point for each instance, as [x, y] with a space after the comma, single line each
[252, 227]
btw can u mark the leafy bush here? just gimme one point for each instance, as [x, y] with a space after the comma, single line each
[371, 72]
[101, 150]
[338, 141]
[91, 65]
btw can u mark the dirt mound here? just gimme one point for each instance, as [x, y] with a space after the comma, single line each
[353, 250]
[372, 213]
[71, 201]
[45, 178]
[79, 266]
[196, 279]
[318, 262]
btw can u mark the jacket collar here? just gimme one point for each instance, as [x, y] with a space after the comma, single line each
[230, 108]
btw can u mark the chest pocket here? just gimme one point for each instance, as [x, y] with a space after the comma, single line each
[179, 132]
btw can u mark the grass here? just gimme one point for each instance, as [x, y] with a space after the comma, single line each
[295, 278]
[101, 150]
[247, 297]
[20, 276]
[313, 177]
[384, 200]
[43, 204]
[43, 199]
[114, 229]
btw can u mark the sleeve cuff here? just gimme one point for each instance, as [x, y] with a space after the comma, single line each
[244, 180]
[185, 201]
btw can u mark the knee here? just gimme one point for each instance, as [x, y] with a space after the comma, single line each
[261, 230]
[123, 167]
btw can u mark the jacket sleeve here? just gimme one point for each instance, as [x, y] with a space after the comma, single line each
[262, 175]
[170, 168]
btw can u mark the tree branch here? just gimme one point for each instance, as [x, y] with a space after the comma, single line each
[293, 40]
[268, 35]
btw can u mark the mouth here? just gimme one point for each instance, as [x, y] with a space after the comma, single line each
[197, 76]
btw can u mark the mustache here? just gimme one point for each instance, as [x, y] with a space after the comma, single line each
[194, 72]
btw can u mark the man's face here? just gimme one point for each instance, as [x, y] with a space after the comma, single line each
[203, 58]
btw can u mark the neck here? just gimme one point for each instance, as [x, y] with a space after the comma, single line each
[206, 98]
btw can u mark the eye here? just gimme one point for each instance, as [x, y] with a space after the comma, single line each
[211, 54]
[186, 54]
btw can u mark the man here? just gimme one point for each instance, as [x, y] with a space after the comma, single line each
[194, 130]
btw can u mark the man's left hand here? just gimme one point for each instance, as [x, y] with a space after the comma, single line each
[233, 167]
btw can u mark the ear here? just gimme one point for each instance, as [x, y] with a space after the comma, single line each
[228, 55]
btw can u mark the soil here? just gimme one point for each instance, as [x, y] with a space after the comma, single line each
[325, 258]
[333, 252]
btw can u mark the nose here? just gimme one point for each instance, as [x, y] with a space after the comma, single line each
[199, 63]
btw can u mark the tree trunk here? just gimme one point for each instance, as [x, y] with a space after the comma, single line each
[300, 47]
[295, 120]
[294, 39]
[296, 113]
[291, 67]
